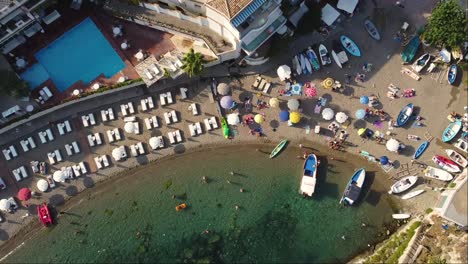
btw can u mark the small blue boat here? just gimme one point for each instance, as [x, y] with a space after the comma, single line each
[354, 187]
[350, 46]
[405, 115]
[421, 149]
[313, 59]
[452, 74]
[451, 131]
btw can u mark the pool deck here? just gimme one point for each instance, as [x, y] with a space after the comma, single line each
[139, 37]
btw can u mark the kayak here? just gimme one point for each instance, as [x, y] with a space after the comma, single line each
[421, 149]
[401, 216]
[452, 74]
[307, 64]
[412, 194]
[446, 164]
[457, 157]
[303, 63]
[451, 131]
[437, 173]
[298, 68]
[371, 29]
[313, 59]
[181, 207]
[405, 115]
[225, 126]
[324, 57]
[350, 46]
[278, 148]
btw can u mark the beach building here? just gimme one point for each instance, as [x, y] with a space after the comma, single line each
[452, 202]
[227, 28]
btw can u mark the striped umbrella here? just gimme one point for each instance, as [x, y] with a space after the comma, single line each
[310, 91]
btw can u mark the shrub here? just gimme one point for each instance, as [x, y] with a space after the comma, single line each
[429, 210]
[452, 185]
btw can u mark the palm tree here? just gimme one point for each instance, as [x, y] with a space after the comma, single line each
[193, 63]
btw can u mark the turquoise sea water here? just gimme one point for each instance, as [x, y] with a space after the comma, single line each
[134, 218]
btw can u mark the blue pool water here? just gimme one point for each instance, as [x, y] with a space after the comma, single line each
[35, 75]
[82, 53]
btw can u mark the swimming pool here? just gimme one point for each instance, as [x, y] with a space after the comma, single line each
[82, 53]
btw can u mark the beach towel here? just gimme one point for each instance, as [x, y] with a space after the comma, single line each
[323, 101]
[317, 109]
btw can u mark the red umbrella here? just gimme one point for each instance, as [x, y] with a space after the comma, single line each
[24, 194]
[310, 90]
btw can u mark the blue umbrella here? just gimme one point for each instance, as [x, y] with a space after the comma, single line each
[384, 160]
[284, 116]
[360, 114]
[364, 99]
[226, 102]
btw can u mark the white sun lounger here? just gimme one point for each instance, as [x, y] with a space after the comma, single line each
[192, 130]
[141, 149]
[42, 137]
[24, 172]
[91, 140]
[178, 136]
[131, 110]
[67, 126]
[133, 150]
[207, 124]
[150, 102]
[6, 153]
[167, 118]
[31, 142]
[105, 161]
[199, 129]
[85, 120]
[261, 85]
[58, 156]
[148, 74]
[24, 145]
[104, 115]
[154, 121]
[213, 122]
[169, 98]
[76, 149]
[51, 157]
[266, 88]
[60, 127]
[17, 174]
[83, 168]
[174, 116]
[162, 99]
[110, 112]
[183, 93]
[117, 134]
[98, 161]
[13, 151]
[148, 124]
[194, 109]
[136, 125]
[76, 170]
[97, 137]
[92, 121]
[50, 136]
[110, 136]
[171, 137]
[123, 109]
[68, 149]
[144, 106]
[155, 69]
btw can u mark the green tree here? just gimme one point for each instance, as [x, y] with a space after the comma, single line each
[12, 85]
[193, 63]
[312, 19]
[447, 25]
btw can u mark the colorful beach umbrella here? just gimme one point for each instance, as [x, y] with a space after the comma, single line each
[274, 102]
[5, 205]
[284, 72]
[328, 114]
[293, 104]
[384, 160]
[295, 117]
[393, 145]
[226, 102]
[24, 194]
[341, 117]
[328, 83]
[284, 116]
[223, 89]
[259, 118]
[310, 91]
[360, 114]
[361, 131]
[42, 185]
[364, 99]
[296, 89]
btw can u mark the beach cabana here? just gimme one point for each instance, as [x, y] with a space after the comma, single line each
[259, 118]
[274, 102]
[293, 104]
[226, 102]
[42, 185]
[59, 176]
[5, 205]
[328, 114]
[341, 117]
[24, 194]
[223, 89]
[295, 117]
[233, 119]
[284, 72]
[328, 83]
[360, 113]
[393, 145]
[284, 116]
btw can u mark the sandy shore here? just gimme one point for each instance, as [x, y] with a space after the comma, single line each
[435, 100]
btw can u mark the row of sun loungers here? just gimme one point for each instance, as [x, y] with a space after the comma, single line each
[10, 152]
[54, 157]
[261, 84]
[64, 127]
[147, 103]
[174, 137]
[127, 109]
[79, 169]
[137, 149]
[46, 136]
[210, 123]
[151, 122]
[113, 135]
[20, 173]
[28, 144]
[171, 115]
[72, 148]
[166, 96]
[88, 120]
[195, 129]
[107, 115]
[94, 139]
[101, 162]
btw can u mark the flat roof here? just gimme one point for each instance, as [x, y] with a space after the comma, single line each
[457, 209]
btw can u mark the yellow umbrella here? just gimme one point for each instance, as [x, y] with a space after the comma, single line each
[259, 118]
[361, 131]
[328, 83]
[274, 102]
[295, 117]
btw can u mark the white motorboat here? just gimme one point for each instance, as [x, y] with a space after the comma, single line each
[404, 184]
[324, 57]
[438, 174]
[461, 145]
[421, 62]
[456, 157]
[309, 177]
[412, 194]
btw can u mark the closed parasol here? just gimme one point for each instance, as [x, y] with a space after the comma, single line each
[310, 90]
[129, 127]
[59, 176]
[259, 118]
[5, 205]
[295, 117]
[341, 117]
[293, 104]
[328, 114]
[284, 72]
[24, 194]
[384, 160]
[117, 153]
[360, 114]
[42, 185]
[393, 145]
[284, 116]
[361, 131]
[364, 99]
[274, 102]
[223, 89]
[227, 102]
[233, 119]
[328, 83]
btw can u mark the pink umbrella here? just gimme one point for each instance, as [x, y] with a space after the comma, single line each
[311, 91]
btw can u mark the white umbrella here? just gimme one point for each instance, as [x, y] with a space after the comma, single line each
[96, 86]
[328, 114]
[76, 92]
[42, 185]
[5, 205]
[293, 104]
[117, 153]
[341, 117]
[233, 119]
[59, 176]
[121, 79]
[284, 72]
[154, 142]
[129, 127]
[223, 89]
[393, 145]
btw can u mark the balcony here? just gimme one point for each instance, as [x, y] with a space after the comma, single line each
[250, 47]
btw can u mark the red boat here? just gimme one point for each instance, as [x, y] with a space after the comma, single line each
[446, 164]
[44, 214]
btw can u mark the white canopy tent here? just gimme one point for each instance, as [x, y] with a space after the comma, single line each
[329, 14]
[347, 5]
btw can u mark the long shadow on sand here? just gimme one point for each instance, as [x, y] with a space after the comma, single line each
[4, 235]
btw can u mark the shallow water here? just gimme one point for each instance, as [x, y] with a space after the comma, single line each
[134, 218]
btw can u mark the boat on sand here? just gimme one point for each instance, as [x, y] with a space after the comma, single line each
[421, 149]
[462, 145]
[446, 164]
[338, 54]
[371, 29]
[456, 157]
[437, 173]
[412, 194]
[410, 50]
[405, 115]
[324, 56]
[404, 184]
[278, 148]
[354, 187]
[350, 46]
[452, 74]
[309, 177]
[421, 62]
[451, 131]
[401, 216]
